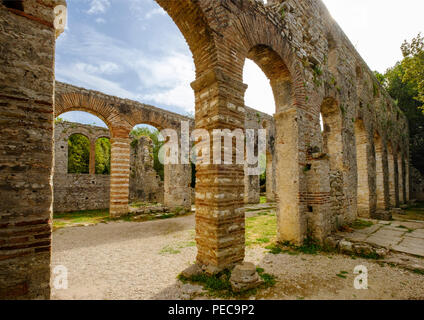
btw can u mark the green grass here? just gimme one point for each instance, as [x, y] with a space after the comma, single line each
[414, 212]
[169, 250]
[361, 224]
[342, 274]
[62, 220]
[308, 247]
[263, 199]
[219, 285]
[261, 229]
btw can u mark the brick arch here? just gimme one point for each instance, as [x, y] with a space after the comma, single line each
[76, 101]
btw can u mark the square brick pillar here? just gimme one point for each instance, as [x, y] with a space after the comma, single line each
[120, 175]
[291, 217]
[220, 225]
[27, 42]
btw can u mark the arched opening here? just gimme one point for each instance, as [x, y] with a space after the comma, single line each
[146, 171]
[81, 179]
[289, 226]
[102, 156]
[78, 154]
[363, 168]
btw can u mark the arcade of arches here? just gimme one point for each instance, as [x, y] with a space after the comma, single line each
[358, 165]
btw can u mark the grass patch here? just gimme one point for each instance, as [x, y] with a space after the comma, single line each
[169, 250]
[68, 219]
[342, 274]
[361, 224]
[418, 271]
[140, 204]
[261, 229]
[308, 247]
[403, 227]
[219, 285]
[263, 199]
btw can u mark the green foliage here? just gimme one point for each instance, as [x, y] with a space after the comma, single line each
[78, 154]
[413, 66]
[103, 148]
[404, 89]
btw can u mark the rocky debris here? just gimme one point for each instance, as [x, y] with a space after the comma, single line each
[193, 270]
[245, 277]
[382, 215]
[404, 207]
[406, 261]
[359, 248]
[396, 211]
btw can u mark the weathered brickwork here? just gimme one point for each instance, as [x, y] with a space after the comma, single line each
[313, 69]
[27, 42]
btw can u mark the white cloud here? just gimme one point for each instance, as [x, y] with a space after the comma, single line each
[100, 20]
[98, 6]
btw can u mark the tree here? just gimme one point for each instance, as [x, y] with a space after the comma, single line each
[403, 84]
[413, 66]
[78, 154]
[103, 148]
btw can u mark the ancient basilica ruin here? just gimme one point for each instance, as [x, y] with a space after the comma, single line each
[321, 179]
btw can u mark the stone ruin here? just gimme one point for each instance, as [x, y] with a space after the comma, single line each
[357, 166]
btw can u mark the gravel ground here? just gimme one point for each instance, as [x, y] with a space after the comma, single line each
[130, 260]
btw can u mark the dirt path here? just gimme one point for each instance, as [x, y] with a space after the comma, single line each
[129, 260]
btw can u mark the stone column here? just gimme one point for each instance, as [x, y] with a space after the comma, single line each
[270, 178]
[407, 181]
[381, 204]
[291, 221]
[219, 188]
[177, 185]
[391, 173]
[396, 179]
[92, 162]
[120, 175]
[251, 188]
[401, 180]
[27, 38]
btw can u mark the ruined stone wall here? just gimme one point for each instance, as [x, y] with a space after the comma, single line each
[145, 183]
[74, 192]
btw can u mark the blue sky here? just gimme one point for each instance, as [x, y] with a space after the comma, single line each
[132, 49]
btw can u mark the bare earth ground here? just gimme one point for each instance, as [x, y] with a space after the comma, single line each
[141, 260]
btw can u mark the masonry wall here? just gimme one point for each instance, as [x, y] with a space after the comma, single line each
[27, 40]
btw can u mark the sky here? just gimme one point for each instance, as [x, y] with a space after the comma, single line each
[132, 49]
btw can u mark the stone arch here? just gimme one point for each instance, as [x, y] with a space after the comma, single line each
[290, 220]
[75, 101]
